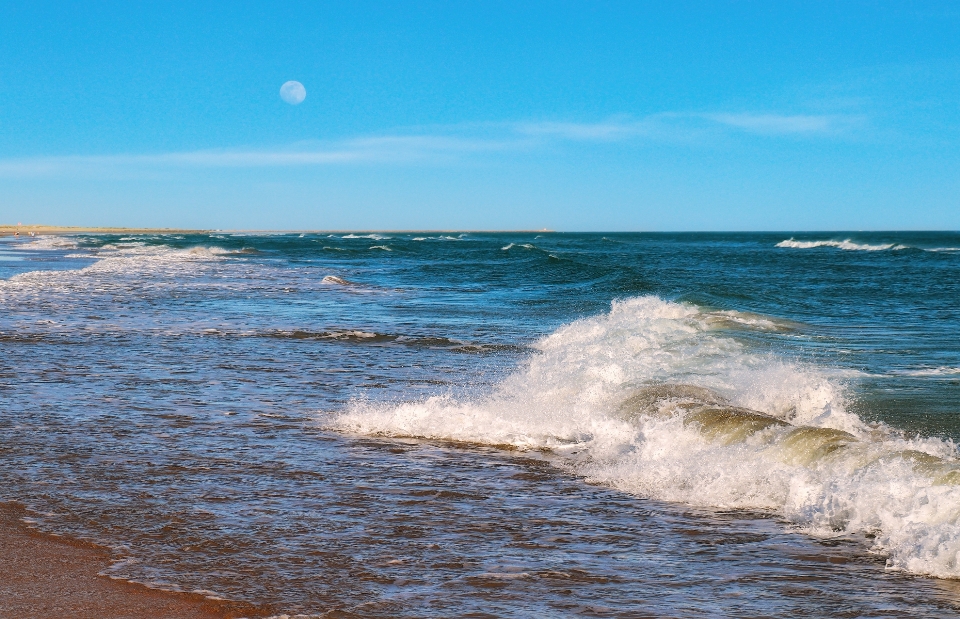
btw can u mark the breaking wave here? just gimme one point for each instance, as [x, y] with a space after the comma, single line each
[846, 244]
[375, 237]
[657, 399]
[510, 246]
[48, 242]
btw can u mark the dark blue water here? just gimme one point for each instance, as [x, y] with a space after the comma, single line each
[431, 424]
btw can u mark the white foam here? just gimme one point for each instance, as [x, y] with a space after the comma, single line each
[118, 265]
[566, 398]
[49, 242]
[845, 244]
[523, 245]
[375, 237]
[943, 370]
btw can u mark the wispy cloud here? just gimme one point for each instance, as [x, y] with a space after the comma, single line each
[672, 124]
[376, 149]
[443, 144]
[777, 124]
[592, 132]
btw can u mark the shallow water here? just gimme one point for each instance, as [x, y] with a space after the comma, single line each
[314, 423]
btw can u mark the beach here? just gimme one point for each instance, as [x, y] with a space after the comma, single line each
[49, 576]
[26, 230]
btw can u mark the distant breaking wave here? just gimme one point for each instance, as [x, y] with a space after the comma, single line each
[846, 244]
[49, 242]
[375, 237]
[523, 245]
[655, 398]
[849, 245]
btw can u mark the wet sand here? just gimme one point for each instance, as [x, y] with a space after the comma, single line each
[47, 576]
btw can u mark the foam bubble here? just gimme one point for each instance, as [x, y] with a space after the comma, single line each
[774, 435]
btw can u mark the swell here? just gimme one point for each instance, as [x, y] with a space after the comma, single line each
[657, 399]
[352, 336]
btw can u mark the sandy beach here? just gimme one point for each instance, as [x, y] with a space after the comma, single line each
[48, 576]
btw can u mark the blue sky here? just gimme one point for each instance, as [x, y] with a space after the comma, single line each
[482, 115]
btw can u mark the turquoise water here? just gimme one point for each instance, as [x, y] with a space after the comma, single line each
[434, 424]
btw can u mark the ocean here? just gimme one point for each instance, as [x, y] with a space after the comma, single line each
[496, 424]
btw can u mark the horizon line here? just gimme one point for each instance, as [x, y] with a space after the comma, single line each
[6, 229]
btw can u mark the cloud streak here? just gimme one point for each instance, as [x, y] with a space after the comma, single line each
[376, 149]
[673, 124]
[775, 124]
[444, 144]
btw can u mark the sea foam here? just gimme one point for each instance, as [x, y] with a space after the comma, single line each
[771, 434]
[48, 242]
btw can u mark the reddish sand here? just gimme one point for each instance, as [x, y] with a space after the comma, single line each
[49, 577]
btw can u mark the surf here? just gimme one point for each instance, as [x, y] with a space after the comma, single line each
[661, 400]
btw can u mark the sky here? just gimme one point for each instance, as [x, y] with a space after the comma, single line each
[586, 116]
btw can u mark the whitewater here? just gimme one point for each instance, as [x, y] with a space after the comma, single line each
[569, 398]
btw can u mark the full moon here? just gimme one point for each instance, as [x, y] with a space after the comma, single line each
[293, 92]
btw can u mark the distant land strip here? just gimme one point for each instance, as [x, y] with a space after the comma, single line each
[7, 230]
[26, 229]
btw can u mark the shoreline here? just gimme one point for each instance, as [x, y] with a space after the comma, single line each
[52, 576]
[8, 230]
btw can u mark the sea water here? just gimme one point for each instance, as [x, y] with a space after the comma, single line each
[479, 424]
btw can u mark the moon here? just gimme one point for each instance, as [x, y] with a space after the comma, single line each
[293, 92]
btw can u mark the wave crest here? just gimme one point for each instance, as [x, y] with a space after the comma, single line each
[847, 245]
